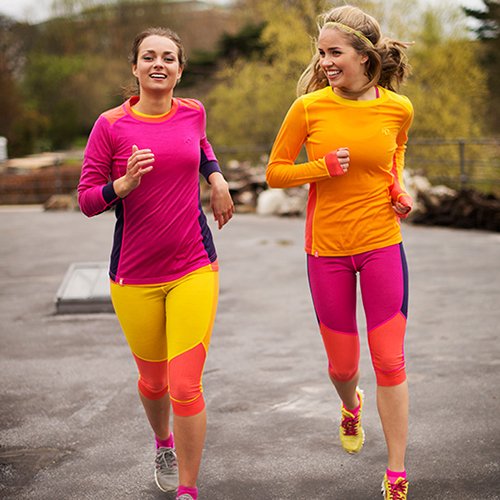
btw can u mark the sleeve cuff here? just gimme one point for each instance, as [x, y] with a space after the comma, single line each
[405, 199]
[108, 193]
[333, 165]
[209, 168]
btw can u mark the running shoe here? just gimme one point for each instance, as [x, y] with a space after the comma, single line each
[352, 435]
[185, 496]
[166, 473]
[395, 491]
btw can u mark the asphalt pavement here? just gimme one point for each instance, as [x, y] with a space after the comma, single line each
[71, 425]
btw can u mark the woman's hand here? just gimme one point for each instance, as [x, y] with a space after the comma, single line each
[220, 200]
[337, 161]
[139, 164]
[401, 209]
[343, 158]
[402, 205]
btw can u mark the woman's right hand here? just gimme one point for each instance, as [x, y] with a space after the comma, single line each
[337, 161]
[139, 164]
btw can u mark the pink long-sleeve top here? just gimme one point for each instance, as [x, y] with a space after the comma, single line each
[161, 232]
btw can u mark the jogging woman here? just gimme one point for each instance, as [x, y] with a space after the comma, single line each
[354, 127]
[144, 158]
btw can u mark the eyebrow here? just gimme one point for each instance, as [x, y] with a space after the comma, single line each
[335, 47]
[151, 51]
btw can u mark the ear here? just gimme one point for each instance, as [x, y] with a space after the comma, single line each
[364, 59]
[134, 70]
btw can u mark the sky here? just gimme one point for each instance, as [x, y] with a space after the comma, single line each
[38, 10]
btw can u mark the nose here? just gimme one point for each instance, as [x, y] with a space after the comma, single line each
[325, 61]
[159, 62]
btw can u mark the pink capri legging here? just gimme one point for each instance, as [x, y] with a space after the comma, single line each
[383, 275]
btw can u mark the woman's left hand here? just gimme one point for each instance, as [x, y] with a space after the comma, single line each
[402, 210]
[220, 200]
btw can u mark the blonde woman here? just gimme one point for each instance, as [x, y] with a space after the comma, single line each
[354, 127]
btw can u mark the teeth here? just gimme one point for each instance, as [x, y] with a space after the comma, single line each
[157, 75]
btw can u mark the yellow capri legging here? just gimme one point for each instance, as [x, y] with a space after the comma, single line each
[168, 328]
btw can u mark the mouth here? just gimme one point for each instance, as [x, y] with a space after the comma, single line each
[157, 76]
[332, 73]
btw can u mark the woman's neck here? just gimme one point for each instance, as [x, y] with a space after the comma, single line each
[153, 105]
[368, 95]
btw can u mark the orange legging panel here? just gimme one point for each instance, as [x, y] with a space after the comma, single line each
[386, 347]
[168, 328]
[342, 350]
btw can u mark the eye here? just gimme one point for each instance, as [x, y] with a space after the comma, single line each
[147, 58]
[169, 59]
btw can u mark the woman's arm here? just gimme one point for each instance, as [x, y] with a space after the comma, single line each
[220, 199]
[95, 188]
[282, 172]
[401, 200]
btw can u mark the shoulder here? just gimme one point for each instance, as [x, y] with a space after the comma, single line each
[190, 103]
[314, 97]
[400, 100]
[188, 108]
[111, 116]
[304, 101]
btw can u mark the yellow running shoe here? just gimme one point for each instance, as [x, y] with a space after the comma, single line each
[395, 491]
[352, 435]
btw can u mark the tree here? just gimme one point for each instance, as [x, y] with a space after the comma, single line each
[448, 87]
[488, 32]
[10, 54]
[252, 95]
[70, 68]
[15, 111]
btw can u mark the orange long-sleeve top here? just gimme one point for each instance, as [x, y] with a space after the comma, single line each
[351, 213]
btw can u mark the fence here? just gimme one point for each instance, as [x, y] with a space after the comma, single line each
[35, 186]
[458, 163]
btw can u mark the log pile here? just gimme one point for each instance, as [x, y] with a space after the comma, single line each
[250, 192]
[466, 208]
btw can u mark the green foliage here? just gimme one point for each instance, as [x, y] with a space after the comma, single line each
[246, 43]
[52, 85]
[447, 87]
[243, 106]
[252, 96]
[59, 75]
[488, 32]
[489, 20]
[448, 91]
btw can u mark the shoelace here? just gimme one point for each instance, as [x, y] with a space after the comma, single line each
[185, 496]
[165, 458]
[349, 424]
[398, 489]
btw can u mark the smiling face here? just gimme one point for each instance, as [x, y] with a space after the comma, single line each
[157, 68]
[344, 67]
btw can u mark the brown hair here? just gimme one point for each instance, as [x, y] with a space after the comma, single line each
[387, 63]
[134, 52]
[166, 32]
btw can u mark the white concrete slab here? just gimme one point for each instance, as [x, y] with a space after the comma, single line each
[84, 289]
